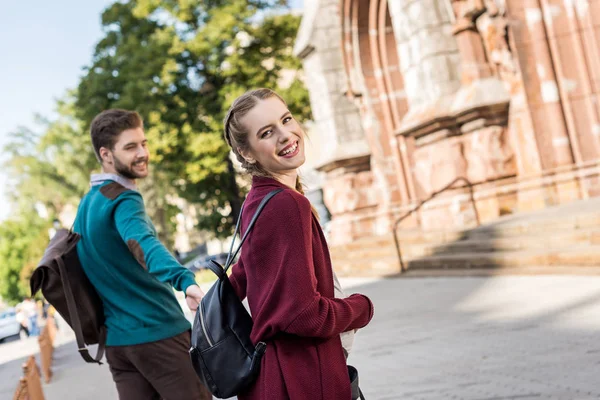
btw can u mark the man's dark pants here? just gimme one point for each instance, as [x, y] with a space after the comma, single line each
[156, 370]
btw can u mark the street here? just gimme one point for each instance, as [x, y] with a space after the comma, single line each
[484, 338]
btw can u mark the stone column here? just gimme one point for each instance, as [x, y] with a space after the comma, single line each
[428, 52]
[340, 151]
[336, 118]
[473, 57]
[545, 101]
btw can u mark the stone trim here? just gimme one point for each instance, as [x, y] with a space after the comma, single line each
[485, 190]
[439, 128]
[305, 38]
[348, 165]
[305, 52]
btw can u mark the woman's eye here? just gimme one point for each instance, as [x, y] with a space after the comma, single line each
[287, 119]
[265, 134]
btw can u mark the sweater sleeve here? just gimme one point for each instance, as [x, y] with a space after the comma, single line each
[134, 227]
[282, 249]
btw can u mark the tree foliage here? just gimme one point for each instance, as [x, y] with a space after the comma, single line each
[51, 165]
[181, 63]
[22, 243]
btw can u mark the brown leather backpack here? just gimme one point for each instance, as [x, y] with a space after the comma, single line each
[65, 285]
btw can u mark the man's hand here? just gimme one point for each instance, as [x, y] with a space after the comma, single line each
[193, 296]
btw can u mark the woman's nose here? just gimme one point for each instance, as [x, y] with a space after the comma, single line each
[285, 135]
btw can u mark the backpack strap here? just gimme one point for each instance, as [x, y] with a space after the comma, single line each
[76, 322]
[262, 205]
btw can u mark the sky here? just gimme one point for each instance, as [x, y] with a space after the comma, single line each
[43, 47]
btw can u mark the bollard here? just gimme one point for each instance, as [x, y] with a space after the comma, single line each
[21, 391]
[51, 324]
[31, 375]
[46, 351]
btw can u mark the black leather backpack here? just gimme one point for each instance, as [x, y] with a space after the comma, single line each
[222, 353]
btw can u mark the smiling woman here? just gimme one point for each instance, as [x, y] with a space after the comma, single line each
[265, 137]
[278, 143]
[285, 270]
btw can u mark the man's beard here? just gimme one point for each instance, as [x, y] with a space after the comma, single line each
[127, 170]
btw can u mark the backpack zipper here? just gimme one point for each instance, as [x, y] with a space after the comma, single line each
[204, 326]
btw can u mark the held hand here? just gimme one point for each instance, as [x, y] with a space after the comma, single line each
[192, 303]
[193, 296]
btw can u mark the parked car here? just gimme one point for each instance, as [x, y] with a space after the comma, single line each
[9, 326]
[201, 261]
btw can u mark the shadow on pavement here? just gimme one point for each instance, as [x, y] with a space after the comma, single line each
[495, 337]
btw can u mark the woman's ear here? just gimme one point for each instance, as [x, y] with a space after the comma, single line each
[249, 159]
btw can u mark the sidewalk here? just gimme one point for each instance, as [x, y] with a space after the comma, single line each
[475, 338]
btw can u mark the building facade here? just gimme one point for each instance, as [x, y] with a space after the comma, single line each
[410, 95]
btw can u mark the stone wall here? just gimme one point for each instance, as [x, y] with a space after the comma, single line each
[428, 54]
[337, 129]
[502, 93]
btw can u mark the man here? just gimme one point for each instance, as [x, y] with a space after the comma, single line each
[148, 336]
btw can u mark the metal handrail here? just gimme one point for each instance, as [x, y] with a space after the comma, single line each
[434, 194]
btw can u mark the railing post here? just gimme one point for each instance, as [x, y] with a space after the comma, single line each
[418, 206]
[398, 252]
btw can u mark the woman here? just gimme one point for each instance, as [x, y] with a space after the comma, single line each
[285, 269]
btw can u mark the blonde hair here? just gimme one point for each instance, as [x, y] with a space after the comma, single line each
[236, 134]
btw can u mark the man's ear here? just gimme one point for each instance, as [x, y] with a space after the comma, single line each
[106, 155]
[247, 156]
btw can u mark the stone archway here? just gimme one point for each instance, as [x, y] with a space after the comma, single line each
[376, 85]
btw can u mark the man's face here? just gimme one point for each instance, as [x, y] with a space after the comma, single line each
[130, 154]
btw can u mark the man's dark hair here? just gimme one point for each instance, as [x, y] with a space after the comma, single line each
[109, 124]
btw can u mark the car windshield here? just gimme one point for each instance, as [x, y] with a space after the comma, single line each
[7, 314]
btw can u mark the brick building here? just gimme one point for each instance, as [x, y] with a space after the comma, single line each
[409, 95]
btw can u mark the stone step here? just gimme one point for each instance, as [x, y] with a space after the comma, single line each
[549, 225]
[540, 241]
[388, 240]
[367, 267]
[529, 270]
[582, 255]
[478, 245]
[514, 229]
[576, 255]
[567, 235]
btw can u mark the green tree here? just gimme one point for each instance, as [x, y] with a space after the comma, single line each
[180, 63]
[23, 240]
[51, 165]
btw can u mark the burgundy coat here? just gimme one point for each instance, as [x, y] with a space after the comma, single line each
[285, 272]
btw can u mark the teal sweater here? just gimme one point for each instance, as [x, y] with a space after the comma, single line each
[132, 271]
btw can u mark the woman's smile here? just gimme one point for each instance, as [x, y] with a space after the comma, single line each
[290, 150]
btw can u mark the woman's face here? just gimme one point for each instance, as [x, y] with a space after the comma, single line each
[275, 137]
